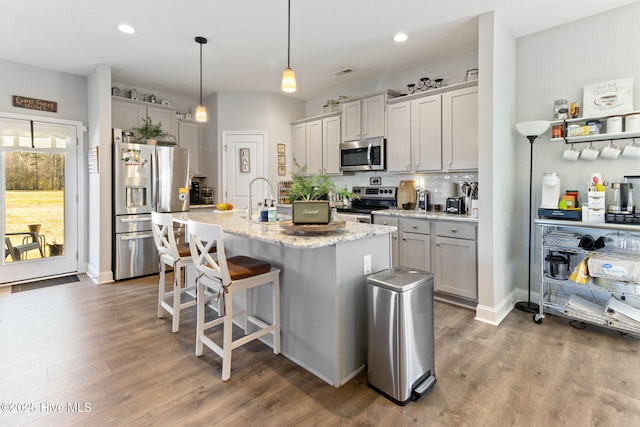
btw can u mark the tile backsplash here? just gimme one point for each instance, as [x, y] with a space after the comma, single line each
[433, 182]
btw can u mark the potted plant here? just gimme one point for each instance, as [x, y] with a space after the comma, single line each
[315, 187]
[310, 196]
[150, 131]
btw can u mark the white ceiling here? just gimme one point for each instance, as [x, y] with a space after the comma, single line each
[247, 47]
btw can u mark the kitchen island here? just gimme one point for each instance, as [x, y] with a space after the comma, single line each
[322, 287]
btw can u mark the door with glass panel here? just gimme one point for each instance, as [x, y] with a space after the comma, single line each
[39, 202]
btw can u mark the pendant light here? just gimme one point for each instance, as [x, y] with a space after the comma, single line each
[201, 111]
[289, 76]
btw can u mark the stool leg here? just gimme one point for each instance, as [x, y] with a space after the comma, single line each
[175, 324]
[227, 337]
[275, 288]
[161, 290]
[200, 297]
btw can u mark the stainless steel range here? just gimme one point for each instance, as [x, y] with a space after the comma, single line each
[371, 199]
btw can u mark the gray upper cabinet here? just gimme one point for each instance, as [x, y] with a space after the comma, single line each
[426, 133]
[192, 137]
[316, 144]
[365, 116]
[399, 137]
[127, 114]
[434, 132]
[460, 129]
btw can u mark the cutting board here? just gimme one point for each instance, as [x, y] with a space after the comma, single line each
[406, 193]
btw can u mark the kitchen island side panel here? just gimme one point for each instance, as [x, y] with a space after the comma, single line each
[352, 299]
[322, 301]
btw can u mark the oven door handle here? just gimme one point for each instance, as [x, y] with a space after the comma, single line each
[369, 154]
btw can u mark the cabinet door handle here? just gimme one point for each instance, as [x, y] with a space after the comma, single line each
[384, 222]
[404, 238]
[394, 237]
[453, 229]
[408, 166]
[414, 226]
[438, 244]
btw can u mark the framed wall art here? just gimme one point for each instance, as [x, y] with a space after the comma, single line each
[282, 170]
[282, 149]
[282, 159]
[245, 163]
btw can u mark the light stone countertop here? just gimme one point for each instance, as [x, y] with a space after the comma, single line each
[440, 216]
[235, 222]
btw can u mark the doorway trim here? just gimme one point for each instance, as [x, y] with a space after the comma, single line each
[81, 184]
[224, 168]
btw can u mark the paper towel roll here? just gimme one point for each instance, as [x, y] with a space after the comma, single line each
[449, 189]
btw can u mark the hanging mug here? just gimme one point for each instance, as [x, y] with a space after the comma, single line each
[632, 151]
[571, 154]
[590, 153]
[611, 151]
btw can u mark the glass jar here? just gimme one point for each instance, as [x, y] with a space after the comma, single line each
[560, 109]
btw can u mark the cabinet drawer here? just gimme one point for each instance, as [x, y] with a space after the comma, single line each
[418, 226]
[386, 220]
[456, 230]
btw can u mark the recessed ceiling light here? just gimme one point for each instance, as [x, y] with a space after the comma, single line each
[125, 28]
[400, 37]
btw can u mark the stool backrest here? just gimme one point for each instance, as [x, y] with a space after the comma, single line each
[202, 238]
[162, 226]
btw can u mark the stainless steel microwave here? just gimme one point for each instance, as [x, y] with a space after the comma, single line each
[364, 155]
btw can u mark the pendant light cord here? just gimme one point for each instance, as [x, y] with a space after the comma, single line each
[200, 73]
[289, 36]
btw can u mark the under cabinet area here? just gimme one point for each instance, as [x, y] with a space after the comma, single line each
[448, 249]
[590, 272]
[434, 131]
[455, 259]
[316, 144]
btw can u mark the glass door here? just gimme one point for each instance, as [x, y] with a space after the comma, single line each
[39, 203]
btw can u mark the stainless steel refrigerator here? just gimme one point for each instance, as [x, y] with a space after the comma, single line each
[146, 178]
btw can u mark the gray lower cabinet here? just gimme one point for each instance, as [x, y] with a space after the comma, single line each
[415, 243]
[395, 222]
[455, 260]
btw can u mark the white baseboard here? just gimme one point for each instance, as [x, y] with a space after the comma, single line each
[99, 277]
[495, 315]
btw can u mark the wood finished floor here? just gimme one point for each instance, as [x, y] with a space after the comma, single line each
[103, 345]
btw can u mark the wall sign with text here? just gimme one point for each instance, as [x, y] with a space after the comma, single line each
[35, 104]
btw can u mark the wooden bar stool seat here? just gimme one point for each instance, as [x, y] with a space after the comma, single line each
[222, 278]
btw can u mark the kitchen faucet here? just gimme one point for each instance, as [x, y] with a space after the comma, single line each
[273, 196]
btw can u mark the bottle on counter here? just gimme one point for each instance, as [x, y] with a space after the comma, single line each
[272, 213]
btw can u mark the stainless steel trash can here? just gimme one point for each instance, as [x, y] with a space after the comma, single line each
[400, 362]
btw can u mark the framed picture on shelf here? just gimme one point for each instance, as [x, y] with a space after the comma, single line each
[282, 149]
[282, 170]
[608, 98]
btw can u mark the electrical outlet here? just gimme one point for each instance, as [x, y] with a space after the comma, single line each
[367, 264]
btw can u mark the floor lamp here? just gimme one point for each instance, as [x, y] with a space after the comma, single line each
[531, 130]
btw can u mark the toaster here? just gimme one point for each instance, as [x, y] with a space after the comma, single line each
[455, 205]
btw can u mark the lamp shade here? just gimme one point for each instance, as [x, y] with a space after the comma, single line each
[533, 128]
[289, 80]
[201, 113]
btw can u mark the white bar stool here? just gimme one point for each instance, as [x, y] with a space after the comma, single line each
[223, 278]
[176, 256]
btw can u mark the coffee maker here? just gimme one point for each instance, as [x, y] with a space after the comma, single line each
[550, 190]
[622, 201]
[194, 193]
